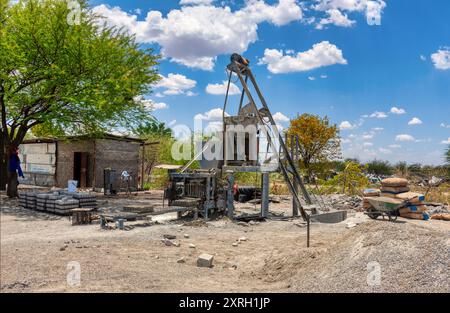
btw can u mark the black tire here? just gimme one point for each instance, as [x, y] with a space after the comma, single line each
[392, 216]
[373, 214]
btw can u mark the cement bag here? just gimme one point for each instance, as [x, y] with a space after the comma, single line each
[371, 192]
[394, 182]
[416, 216]
[412, 197]
[442, 217]
[394, 190]
[413, 209]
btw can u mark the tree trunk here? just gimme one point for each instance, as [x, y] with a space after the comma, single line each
[3, 162]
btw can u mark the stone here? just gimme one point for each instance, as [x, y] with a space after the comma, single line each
[242, 239]
[181, 260]
[242, 224]
[169, 242]
[170, 237]
[186, 236]
[205, 260]
[235, 244]
[351, 225]
[63, 248]
[192, 246]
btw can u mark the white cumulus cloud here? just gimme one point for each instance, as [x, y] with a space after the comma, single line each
[320, 55]
[446, 142]
[441, 59]
[280, 117]
[335, 17]
[379, 115]
[373, 9]
[399, 111]
[221, 89]
[195, 35]
[175, 84]
[404, 137]
[184, 2]
[346, 125]
[415, 121]
[211, 115]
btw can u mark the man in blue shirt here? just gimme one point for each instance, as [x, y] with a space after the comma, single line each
[14, 170]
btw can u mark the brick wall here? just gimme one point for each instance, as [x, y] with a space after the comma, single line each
[118, 155]
[65, 160]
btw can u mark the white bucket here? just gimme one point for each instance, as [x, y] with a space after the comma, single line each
[72, 185]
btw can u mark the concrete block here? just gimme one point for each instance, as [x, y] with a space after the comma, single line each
[31, 148]
[330, 217]
[40, 158]
[205, 260]
[41, 168]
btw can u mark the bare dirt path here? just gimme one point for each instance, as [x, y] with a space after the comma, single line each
[36, 248]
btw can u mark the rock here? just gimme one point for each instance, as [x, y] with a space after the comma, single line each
[181, 260]
[351, 225]
[169, 242]
[242, 224]
[231, 265]
[156, 256]
[300, 224]
[186, 236]
[254, 223]
[235, 244]
[191, 245]
[242, 239]
[63, 248]
[205, 260]
[170, 237]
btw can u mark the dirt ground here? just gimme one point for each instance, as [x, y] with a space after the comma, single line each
[36, 248]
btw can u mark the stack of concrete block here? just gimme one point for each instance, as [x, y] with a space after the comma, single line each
[31, 200]
[50, 203]
[86, 200]
[23, 199]
[64, 205]
[41, 200]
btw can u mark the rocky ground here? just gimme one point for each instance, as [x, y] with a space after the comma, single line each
[410, 256]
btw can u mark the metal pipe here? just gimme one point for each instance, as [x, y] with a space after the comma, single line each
[265, 195]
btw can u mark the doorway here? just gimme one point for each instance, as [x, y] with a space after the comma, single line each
[80, 169]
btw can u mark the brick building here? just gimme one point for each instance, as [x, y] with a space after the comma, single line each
[53, 162]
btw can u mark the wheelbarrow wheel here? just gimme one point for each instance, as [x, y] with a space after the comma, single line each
[392, 216]
[373, 214]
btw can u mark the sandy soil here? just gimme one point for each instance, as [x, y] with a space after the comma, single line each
[36, 248]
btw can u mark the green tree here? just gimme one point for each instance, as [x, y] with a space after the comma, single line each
[447, 156]
[401, 169]
[78, 77]
[318, 140]
[350, 181]
[378, 167]
[153, 128]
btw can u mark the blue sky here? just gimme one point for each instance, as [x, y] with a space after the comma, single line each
[386, 85]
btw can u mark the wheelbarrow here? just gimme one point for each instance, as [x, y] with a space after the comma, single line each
[384, 206]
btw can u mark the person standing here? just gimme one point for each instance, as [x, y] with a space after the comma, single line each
[14, 171]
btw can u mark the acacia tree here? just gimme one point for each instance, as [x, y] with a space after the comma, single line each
[78, 75]
[318, 140]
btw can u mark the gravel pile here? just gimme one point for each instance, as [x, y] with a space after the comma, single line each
[411, 259]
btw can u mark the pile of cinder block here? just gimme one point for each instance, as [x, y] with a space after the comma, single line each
[56, 201]
[64, 205]
[27, 200]
[86, 200]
